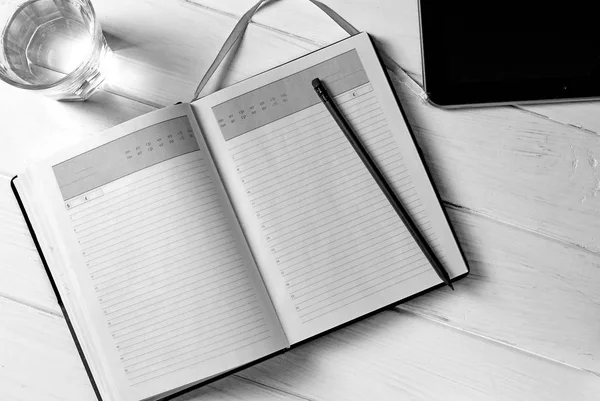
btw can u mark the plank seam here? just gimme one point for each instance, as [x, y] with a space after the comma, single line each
[60, 315]
[554, 120]
[124, 95]
[31, 305]
[258, 24]
[556, 240]
[592, 372]
[272, 388]
[400, 309]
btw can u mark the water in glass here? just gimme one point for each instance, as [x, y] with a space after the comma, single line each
[54, 45]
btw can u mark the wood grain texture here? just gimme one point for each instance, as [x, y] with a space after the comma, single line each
[393, 23]
[393, 356]
[163, 48]
[39, 361]
[386, 357]
[582, 115]
[161, 51]
[523, 187]
[502, 162]
[34, 127]
[23, 276]
[395, 26]
[524, 291]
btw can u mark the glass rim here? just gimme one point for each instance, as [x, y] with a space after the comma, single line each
[95, 35]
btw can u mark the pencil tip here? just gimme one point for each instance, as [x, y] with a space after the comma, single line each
[450, 285]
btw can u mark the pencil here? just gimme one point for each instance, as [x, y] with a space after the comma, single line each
[381, 181]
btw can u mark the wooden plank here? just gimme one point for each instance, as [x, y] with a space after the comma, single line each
[34, 126]
[38, 358]
[23, 276]
[39, 361]
[531, 194]
[162, 49]
[393, 23]
[510, 144]
[502, 162]
[510, 165]
[515, 174]
[395, 26]
[524, 290]
[387, 356]
[400, 356]
[584, 115]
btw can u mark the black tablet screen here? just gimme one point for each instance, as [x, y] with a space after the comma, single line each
[482, 52]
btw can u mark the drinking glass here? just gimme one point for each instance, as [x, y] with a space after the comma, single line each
[54, 47]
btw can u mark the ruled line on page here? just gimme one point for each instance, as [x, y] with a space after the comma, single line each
[190, 333]
[128, 329]
[224, 349]
[154, 303]
[240, 306]
[298, 147]
[369, 262]
[107, 204]
[153, 264]
[166, 270]
[174, 198]
[96, 256]
[365, 293]
[170, 193]
[177, 205]
[344, 252]
[178, 213]
[157, 268]
[328, 226]
[164, 176]
[150, 288]
[230, 337]
[330, 291]
[300, 138]
[128, 324]
[140, 248]
[156, 308]
[173, 351]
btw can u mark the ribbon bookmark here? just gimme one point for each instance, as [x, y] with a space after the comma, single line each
[240, 28]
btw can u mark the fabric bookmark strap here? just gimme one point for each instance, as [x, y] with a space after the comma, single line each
[240, 28]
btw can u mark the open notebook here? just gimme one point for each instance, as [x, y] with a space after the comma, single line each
[202, 237]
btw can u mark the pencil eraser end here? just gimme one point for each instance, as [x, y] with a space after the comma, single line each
[316, 82]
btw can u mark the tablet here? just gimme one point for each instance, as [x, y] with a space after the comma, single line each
[481, 53]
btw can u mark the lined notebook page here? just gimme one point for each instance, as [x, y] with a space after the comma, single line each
[174, 284]
[166, 271]
[335, 237]
[326, 230]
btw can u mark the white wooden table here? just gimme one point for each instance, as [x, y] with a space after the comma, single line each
[521, 186]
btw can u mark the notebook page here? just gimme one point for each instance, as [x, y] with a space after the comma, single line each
[173, 287]
[329, 245]
[334, 235]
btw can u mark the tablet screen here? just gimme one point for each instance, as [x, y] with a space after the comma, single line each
[492, 52]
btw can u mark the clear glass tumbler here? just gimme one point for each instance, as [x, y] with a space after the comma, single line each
[55, 47]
